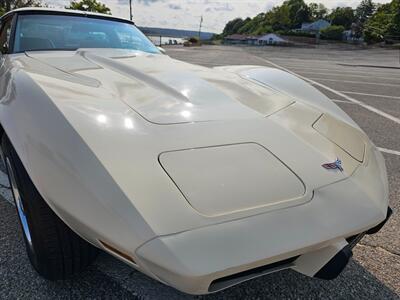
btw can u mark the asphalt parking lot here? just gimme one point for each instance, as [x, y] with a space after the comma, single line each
[365, 84]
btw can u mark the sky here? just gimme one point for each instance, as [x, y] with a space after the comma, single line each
[186, 14]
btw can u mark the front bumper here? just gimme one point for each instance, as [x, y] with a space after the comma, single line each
[337, 263]
[304, 237]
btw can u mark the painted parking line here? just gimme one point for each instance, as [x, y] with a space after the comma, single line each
[335, 70]
[354, 82]
[343, 101]
[370, 95]
[348, 75]
[394, 152]
[321, 62]
[362, 104]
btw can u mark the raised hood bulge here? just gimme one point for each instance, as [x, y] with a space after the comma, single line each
[166, 91]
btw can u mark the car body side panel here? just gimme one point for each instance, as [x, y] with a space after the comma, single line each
[65, 171]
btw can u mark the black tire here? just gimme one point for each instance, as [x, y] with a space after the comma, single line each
[54, 250]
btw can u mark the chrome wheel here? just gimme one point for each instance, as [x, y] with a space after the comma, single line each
[19, 204]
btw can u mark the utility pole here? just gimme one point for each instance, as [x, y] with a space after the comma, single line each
[130, 10]
[201, 23]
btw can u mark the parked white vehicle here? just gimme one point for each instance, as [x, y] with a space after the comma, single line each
[201, 178]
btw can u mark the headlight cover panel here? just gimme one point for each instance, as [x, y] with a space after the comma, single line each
[225, 179]
[348, 138]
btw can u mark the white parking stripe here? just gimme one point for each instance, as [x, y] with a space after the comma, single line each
[362, 104]
[370, 95]
[337, 70]
[337, 63]
[355, 82]
[394, 152]
[349, 75]
[342, 101]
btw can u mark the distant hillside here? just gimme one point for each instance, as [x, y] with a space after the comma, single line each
[176, 33]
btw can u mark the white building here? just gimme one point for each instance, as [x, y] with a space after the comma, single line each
[271, 39]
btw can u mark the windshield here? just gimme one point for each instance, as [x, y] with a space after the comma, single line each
[63, 32]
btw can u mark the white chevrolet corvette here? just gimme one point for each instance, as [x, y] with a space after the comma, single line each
[201, 178]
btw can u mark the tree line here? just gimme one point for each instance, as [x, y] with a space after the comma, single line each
[369, 20]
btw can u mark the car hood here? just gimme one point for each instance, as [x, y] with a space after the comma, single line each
[245, 140]
[162, 90]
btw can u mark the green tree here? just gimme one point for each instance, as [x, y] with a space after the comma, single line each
[7, 5]
[90, 5]
[279, 18]
[233, 26]
[256, 26]
[343, 16]
[333, 33]
[246, 26]
[249, 25]
[365, 10]
[299, 12]
[317, 11]
[385, 22]
[395, 28]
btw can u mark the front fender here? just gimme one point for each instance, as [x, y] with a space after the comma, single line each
[64, 169]
[291, 85]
